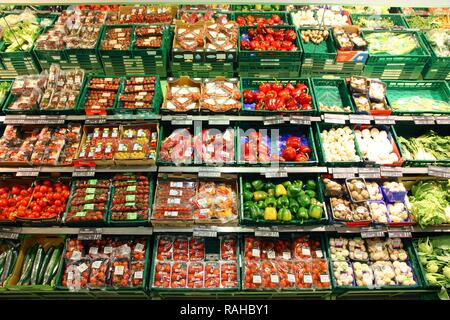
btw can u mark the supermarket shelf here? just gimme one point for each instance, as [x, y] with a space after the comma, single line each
[261, 170]
[218, 229]
[114, 117]
[72, 169]
[401, 3]
[224, 118]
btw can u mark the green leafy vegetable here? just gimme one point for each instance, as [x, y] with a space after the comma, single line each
[417, 103]
[391, 43]
[429, 146]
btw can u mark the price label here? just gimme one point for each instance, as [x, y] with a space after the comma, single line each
[95, 119]
[441, 172]
[286, 255]
[305, 120]
[360, 118]
[90, 233]
[83, 172]
[209, 173]
[256, 252]
[266, 232]
[324, 278]
[442, 120]
[291, 277]
[306, 252]
[14, 119]
[343, 173]
[335, 118]
[393, 172]
[423, 120]
[138, 275]
[274, 278]
[256, 279]
[369, 173]
[28, 172]
[182, 120]
[271, 254]
[275, 173]
[319, 254]
[9, 233]
[384, 120]
[371, 233]
[205, 232]
[271, 120]
[44, 119]
[399, 234]
[217, 120]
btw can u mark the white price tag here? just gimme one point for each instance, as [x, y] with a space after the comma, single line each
[274, 278]
[93, 250]
[76, 255]
[369, 173]
[387, 120]
[441, 172]
[96, 264]
[118, 270]
[335, 118]
[307, 278]
[423, 120]
[442, 120]
[271, 254]
[305, 120]
[82, 267]
[399, 234]
[108, 250]
[291, 277]
[271, 120]
[139, 247]
[360, 118]
[324, 278]
[319, 253]
[389, 172]
[28, 172]
[306, 251]
[138, 275]
[255, 252]
[286, 255]
[256, 279]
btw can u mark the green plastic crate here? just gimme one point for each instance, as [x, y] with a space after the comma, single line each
[257, 7]
[412, 260]
[396, 19]
[87, 223]
[438, 68]
[252, 222]
[417, 56]
[331, 92]
[202, 70]
[85, 90]
[405, 130]
[395, 71]
[282, 130]
[322, 51]
[323, 160]
[268, 70]
[133, 223]
[253, 84]
[437, 90]
[156, 104]
[212, 246]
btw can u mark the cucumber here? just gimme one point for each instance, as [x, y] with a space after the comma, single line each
[4, 273]
[53, 265]
[2, 261]
[44, 265]
[26, 270]
[37, 264]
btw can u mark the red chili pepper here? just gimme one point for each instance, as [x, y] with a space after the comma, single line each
[248, 96]
[277, 86]
[264, 87]
[258, 96]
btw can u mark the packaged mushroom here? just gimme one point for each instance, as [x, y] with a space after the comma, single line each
[333, 188]
[363, 274]
[374, 191]
[361, 102]
[377, 91]
[357, 189]
[398, 212]
[338, 248]
[316, 36]
[403, 274]
[359, 84]
[377, 249]
[360, 212]
[343, 273]
[395, 249]
[341, 209]
[384, 273]
[357, 249]
[378, 211]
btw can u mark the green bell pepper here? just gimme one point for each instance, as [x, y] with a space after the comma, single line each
[247, 195]
[258, 185]
[261, 204]
[293, 205]
[286, 184]
[311, 185]
[315, 212]
[280, 190]
[270, 202]
[298, 183]
[255, 212]
[271, 192]
[304, 201]
[285, 214]
[247, 186]
[310, 193]
[314, 201]
[269, 185]
[270, 213]
[283, 202]
[259, 195]
[302, 214]
[247, 205]
[294, 191]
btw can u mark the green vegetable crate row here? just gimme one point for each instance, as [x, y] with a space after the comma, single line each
[287, 201]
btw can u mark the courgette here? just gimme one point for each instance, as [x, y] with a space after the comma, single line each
[44, 265]
[26, 270]
[53, 265]
[37, 264]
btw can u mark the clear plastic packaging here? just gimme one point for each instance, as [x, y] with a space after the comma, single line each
[343, 273]
[363, 274]
[377, 249]
[384, 273]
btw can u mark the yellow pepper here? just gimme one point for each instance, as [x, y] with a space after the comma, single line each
[270, 213]
[280, 190]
